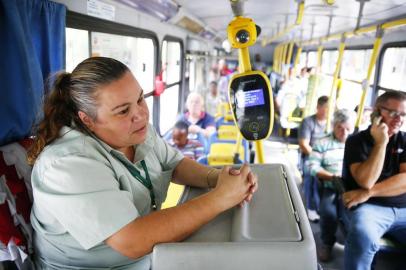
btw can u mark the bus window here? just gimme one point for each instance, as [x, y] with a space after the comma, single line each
[355, 65]
[325, 84]
[394, 69]
[328, 63]
[353, 71]
[312, 59]
[136, 53]
[302, 60]
[171, 64]
[77, 47]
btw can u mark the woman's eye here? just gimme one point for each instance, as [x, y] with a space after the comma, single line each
[125, 111]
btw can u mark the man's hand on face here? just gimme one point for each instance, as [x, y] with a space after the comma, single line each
[379, 131]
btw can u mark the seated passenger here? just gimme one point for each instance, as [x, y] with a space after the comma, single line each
[326, 162]
[199, 121]
[101, 173]
[375, 173]
[190, 148]
[312, 128]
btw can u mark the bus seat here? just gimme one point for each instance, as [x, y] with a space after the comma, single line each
[222, 109]
[214, 138]
[223, 154]
[227, 132]
[15, 203]
[221, 121]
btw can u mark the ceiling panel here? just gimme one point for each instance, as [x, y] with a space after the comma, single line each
[216, 14]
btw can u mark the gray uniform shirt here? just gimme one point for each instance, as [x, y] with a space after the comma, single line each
[83, 194]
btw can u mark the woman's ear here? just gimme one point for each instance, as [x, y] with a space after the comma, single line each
[86, 120]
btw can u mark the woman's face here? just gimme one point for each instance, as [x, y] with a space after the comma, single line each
[122, 114]
[195, 105]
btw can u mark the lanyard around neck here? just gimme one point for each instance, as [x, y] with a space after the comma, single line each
[145, 181]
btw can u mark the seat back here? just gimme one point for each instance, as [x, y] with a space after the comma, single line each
[15, 202]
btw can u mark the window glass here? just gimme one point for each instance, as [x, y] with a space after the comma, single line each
[137, 53]
[312, 59]
[77, 47]
[168, 108]
[350, 95]
[355, 65]
[324, 87]
[171, 65]
[393, 69]
[302, 60]
[171, 53]
[328, 62]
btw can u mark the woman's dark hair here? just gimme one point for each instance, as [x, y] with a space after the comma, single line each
[71, 93]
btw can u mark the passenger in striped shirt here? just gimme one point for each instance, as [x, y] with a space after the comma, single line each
[190, 148]
[326, 162]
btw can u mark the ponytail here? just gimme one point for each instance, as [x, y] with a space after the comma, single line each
[58, 111]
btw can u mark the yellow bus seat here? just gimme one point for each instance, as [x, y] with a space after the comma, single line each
[223, 154]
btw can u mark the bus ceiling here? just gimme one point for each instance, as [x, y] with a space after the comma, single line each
[307, 21]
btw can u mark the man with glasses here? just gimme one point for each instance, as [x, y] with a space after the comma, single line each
[374, 172]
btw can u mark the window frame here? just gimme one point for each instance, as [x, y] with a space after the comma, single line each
[181, 82]
[379, 66]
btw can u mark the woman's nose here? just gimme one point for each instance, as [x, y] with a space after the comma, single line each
[138, 114]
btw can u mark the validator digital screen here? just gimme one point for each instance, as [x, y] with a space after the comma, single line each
[250, 98]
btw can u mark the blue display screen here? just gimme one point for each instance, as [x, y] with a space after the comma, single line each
[250, 98]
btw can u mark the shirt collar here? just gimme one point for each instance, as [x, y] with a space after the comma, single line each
[141, 150]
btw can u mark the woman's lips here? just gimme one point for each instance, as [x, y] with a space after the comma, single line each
[144, 128]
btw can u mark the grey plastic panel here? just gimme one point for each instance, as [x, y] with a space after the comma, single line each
[267, 218]
[272, 232]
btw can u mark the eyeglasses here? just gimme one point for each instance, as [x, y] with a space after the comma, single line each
[393, 113]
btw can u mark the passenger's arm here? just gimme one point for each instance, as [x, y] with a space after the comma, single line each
[137, 238]
[325, 175]
[204, 131]
[392, 186]
[189, 172]
[305, 147]
[367, 173]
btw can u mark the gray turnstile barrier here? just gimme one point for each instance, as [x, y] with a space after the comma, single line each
[271, 232]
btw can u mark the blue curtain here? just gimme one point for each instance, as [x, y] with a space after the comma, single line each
[32, 46]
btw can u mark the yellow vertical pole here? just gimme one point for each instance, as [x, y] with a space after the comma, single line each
[365, 83]
[319, 57]
[311, 103]
[283, 57]
[259, 150]
[276, 61]
[331, 104]
[297, 58]
[290, 52]
[244, 59]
